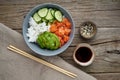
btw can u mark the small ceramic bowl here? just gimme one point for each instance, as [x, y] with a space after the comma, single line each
[88, 30]
[84, 54]
[35, 47]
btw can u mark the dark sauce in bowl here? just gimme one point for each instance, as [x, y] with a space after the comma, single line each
[83, 54]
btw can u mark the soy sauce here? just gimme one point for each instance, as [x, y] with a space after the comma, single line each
[83, 54]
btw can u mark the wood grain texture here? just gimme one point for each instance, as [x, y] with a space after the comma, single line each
[100, 12]
[107, 76]
[104, 13]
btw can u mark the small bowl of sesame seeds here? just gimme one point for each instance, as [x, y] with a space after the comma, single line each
[88, 30]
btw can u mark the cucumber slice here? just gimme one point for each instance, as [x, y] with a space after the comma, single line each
[36, 18]
[43, 12]
[51, 20]
[53, 12]
[58, 15]
[49, 15]
[44, 20]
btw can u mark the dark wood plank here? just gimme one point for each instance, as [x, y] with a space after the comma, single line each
[104, 14]
[103, 35]
[79, 4]
[14, 17]
[96, 5]
[28, 2]
[107, 76]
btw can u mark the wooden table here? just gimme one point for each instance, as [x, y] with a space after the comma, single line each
[104, 13]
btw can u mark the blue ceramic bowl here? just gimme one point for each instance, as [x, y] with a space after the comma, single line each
[35, 47]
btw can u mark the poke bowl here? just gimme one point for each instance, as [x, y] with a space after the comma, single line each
[48, 29]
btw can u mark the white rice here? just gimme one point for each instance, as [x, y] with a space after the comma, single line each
[35, 29]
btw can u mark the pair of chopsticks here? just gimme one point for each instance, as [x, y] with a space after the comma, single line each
[14, 49]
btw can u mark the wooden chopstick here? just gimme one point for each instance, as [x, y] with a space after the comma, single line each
[42, 61]
[14, 49]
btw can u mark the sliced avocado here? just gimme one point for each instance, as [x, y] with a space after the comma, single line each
[52, 42]
[46, 36]
[39, 41]
[43, 40]
[57, 41]
[48, 40]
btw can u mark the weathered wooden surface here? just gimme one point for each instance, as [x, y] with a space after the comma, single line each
[104, 13]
